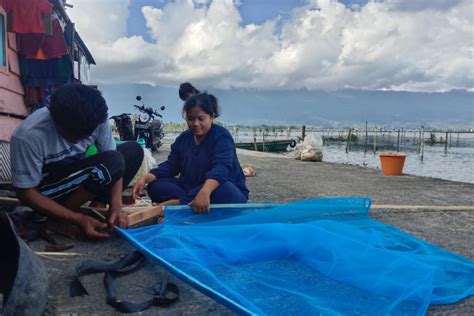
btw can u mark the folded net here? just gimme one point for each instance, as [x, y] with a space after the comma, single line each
[322, 256]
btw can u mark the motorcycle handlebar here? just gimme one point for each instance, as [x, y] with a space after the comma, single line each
[144, 109]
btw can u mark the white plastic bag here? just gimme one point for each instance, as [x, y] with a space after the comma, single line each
[148, 163]
[311, 149]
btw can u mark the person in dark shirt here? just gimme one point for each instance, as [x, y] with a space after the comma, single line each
[205, 159]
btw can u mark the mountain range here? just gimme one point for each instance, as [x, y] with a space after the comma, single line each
[324, 109]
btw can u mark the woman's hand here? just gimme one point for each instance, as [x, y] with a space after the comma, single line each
[201, 202]
[141, 184]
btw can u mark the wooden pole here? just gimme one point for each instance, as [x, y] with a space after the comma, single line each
[303, 132]
[348, 140]
[366, 138]
[398, 140]
[422, 143]
[446, 143]
[457, 143]
[419, 141]
[450, 139]
[375, 140]
[403, 138]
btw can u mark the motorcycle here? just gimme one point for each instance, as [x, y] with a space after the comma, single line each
[147, 126]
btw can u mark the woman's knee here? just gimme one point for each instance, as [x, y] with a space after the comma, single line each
[227, 192]
[162, 190]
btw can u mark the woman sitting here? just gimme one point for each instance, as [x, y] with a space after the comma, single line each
[205, 159]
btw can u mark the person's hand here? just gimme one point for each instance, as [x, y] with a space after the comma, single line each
[117, 217]
[139, 187]
[201, 202]
[92, 227]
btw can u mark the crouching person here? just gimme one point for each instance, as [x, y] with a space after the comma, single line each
[205, 159]
[50, 171]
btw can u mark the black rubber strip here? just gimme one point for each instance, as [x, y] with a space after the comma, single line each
[163, 295]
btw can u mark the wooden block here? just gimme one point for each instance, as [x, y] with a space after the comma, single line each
[140, 216]
[136, 215]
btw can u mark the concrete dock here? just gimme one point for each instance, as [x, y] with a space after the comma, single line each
[282, 179]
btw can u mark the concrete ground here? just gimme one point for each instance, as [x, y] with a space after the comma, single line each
[281, 179]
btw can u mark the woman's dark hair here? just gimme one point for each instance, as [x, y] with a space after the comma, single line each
[78, 109]
[207, 102]
[186, 90]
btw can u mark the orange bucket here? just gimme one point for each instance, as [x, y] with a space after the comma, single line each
[392, 163]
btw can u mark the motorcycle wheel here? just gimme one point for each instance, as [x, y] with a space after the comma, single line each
[154, 138]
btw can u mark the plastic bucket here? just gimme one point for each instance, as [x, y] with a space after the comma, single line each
[392, 163]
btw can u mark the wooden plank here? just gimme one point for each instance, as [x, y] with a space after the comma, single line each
[9, 201]
[135, 215]
[141, 216]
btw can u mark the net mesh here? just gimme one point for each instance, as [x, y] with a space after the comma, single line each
[321, 256]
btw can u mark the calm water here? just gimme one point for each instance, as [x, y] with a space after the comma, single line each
[455, 165]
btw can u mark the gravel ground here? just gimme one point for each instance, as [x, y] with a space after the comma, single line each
[281, 179]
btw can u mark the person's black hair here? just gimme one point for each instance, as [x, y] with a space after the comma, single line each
[78, 109]
[186, 90]
[207, 102]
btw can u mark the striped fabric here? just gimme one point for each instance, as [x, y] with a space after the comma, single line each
[5, 167]
[98, 174]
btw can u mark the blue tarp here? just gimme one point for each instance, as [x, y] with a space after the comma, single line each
[322, 256]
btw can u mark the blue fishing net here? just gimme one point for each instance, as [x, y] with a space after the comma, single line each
[323, 256]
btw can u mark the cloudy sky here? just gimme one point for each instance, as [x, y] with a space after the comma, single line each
[422, 45]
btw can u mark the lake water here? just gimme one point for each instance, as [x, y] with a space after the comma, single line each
[457, 164]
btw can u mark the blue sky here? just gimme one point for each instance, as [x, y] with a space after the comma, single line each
[407, 45]
[251, 11]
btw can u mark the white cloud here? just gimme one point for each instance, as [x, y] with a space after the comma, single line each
[396, 44]
[100, 21]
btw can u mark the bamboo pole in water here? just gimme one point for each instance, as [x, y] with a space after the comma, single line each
[422, 143]
[375, 140]
[348, 140]
[446, 143]
[419, 142]
[403, 138]
[366, 138]
[398, 140]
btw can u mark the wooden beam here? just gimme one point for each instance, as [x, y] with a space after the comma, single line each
[143, 215]
[9, 201]
[135, 215]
